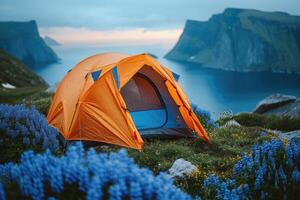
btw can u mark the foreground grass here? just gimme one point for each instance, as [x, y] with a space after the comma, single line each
[217, 158]
[159, 154]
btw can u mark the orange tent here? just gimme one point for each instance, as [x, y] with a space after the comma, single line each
[116, 98]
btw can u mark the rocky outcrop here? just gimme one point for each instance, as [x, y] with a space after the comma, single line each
[14, 73]
[278, 104]
[242, 40]
[22, 40]
[273, 102]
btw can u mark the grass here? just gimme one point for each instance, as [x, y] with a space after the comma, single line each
[218, 157]
[281, 123]
[159, 154]
[15, 72]
[41, 100]
[12, 96]
[12, 148]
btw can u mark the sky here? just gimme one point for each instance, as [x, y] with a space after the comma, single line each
[124, 21]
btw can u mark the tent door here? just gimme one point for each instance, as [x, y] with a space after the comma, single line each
[144, 103]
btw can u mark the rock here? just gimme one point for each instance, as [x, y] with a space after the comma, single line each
[22, 40]
[232, 123]
[280, 105]
[273, 101]
[181, 168]
[8, 86]
[242, 40]
[291, 110]
[290, 135]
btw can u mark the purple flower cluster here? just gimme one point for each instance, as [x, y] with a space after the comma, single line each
[2, 192]
[271, 167]
[18, 121]
[225, 189]
[205, 117]
[95, 174]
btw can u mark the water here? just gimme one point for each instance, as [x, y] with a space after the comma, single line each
[213, 90]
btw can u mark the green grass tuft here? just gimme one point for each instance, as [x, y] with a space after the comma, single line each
[282, 123]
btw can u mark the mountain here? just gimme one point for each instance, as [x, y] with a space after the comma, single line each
[14, 74]
[242, 40]
[51, 42]
[22, 40]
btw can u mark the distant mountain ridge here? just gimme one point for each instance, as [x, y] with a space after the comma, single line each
[22, 40]
[50, 41]
[242, 40]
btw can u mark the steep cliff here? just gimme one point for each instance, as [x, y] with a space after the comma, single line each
[22, 40]
[15, 74]
[242, 40]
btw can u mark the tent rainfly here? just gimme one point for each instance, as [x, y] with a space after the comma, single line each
[118, 99]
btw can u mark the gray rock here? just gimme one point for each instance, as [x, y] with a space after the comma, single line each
[280, 105]
[242, 40]
[291, 110]
[290, 135]
[272, 102]
[232, 123]
[181, 168]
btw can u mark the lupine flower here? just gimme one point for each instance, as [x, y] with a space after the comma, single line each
[28, 124]
[2, 192]
[263, 134]
[271, 165]
[296, 176]
[226, 189]
[205, 117]
[92, 172]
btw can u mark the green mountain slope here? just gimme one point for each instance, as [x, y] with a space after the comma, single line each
[16, 79]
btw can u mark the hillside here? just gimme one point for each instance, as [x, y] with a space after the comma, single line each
[242, 40]
[22, 40]
[16, 79]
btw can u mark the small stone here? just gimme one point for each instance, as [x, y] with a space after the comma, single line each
[181, 168]
[232, 123]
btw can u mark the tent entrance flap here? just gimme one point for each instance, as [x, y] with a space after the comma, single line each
[144, 103]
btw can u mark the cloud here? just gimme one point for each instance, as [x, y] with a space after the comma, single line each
[118, 14]
[86, 36]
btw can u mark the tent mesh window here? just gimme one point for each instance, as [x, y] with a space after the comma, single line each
[141, 94]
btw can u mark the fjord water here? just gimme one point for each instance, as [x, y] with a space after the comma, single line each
[214, 90]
